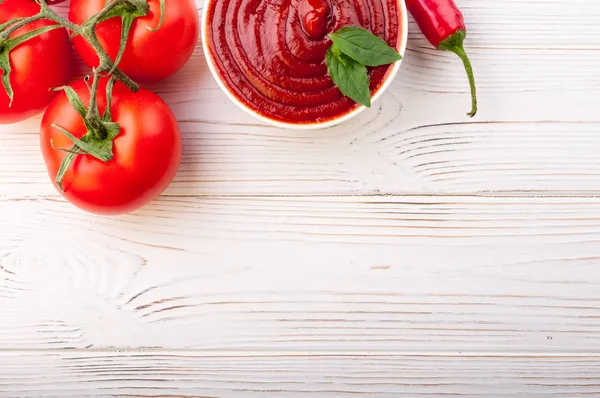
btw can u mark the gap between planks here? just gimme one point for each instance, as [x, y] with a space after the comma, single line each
[294, 353]
[480, 195]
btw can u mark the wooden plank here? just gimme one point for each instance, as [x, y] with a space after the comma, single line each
[454, 158]
[539, 99]
[366, 273]
[189, 374]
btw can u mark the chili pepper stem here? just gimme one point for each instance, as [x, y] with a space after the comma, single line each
[467, 62]
[455, 44]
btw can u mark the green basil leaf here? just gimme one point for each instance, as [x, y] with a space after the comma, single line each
[350, 76]
[364, 47]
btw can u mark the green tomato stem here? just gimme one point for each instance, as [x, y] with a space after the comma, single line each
[95, 19]
[5, 35]
[88, 32]
[101, 130]
[93, 114]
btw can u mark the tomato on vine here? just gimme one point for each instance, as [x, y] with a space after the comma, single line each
[29, 69]
[159, 44]
[142, 153]
[109, 146]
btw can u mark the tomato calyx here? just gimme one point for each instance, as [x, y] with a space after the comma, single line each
[101, 130]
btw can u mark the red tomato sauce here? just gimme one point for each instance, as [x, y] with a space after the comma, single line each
[271, 53]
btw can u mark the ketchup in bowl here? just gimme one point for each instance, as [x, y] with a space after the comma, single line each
[270, 54]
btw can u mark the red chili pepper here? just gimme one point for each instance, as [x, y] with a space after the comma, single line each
[444, 26]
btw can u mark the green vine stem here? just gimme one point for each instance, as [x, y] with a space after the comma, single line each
[88, 32]
[17, 24]
[101, 130]
[93, 114]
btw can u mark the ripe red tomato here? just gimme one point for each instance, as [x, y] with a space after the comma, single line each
[150, 55]
[147, 151]
[38, 65]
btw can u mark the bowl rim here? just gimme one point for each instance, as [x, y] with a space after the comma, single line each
[314, 125]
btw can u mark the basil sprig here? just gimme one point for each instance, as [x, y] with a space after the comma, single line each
[352, 50]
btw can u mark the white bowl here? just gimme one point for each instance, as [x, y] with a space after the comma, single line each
[306, 126]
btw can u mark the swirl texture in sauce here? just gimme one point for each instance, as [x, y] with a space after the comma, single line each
[270, 54]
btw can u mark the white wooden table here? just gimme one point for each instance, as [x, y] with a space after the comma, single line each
[408, 253]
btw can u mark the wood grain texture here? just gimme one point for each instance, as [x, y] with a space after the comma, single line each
[188, 374]
[539, 95]
[377, 273]
[257, 274]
